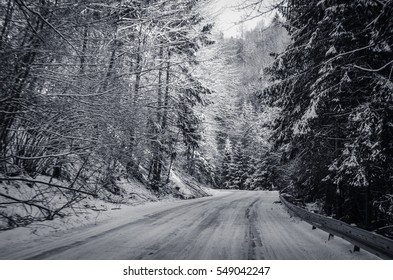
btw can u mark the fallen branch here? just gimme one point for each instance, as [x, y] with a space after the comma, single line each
[28, 202]
[46, 183]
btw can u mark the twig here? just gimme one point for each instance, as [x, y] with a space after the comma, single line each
[21, 3]
[373, 70]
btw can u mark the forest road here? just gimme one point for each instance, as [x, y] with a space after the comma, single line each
[231, 225]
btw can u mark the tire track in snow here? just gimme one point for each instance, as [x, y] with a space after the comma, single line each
[254, 239]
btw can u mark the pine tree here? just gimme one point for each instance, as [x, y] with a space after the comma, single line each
[332, 85]
[225, 171]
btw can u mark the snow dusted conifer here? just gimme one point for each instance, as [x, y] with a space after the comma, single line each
[225, 172]
[333, 84]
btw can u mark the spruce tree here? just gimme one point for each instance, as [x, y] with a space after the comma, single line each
[334, 86]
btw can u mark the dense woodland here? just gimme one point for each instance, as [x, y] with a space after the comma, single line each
[333, 84]
[95, 90]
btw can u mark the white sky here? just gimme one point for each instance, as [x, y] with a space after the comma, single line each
[227, 17]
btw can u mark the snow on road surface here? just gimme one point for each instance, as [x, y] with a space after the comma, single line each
[230, 225]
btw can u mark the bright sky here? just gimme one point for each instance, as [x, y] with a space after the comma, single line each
[227, 17]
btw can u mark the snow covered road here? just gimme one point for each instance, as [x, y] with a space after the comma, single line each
[231, 225]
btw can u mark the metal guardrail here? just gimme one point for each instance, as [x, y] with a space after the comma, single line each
[369, 241]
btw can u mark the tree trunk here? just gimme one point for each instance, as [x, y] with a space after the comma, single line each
[367, 218]
[137, 69]
[84, 48]
[157, 145]
[166, 97]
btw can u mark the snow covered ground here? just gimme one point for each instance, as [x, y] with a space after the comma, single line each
[77, 209]
[227, 225]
